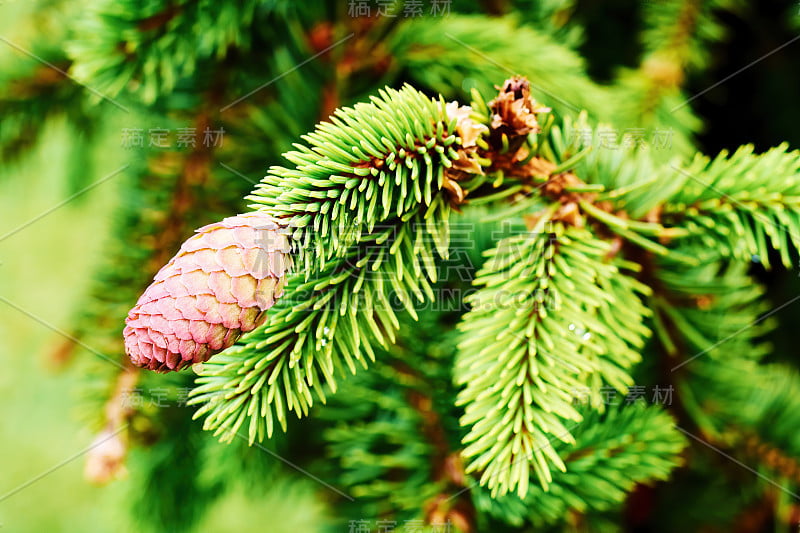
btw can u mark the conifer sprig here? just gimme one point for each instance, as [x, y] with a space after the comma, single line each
[740, 205]
[371, 162]
[628, 444]
[127, 42]
[559, 311]
[322, 328]
[553, 317]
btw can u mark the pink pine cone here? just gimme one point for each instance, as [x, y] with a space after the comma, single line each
[217, 287]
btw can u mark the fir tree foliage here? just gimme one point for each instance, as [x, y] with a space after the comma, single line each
[133, 43]
[469, 414]
[558, 308]
[370, 162]
[741, 205]
[326, 325]
[520, 378]
[611, 453]
[552, 316]
[433, 57]
[676, 42]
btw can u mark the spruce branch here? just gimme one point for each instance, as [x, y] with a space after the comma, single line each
[331, 199]
[676, 40]
[558, 310]
[124, 44]
[712, 308]
[394, 447]
[681, 30]
[553, 317]
[627, 445]
[323, 327]
[761, 432]
[434, 52]
[740, 205]
[371, 162]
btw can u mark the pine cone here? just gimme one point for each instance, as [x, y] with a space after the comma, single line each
[217, 287]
